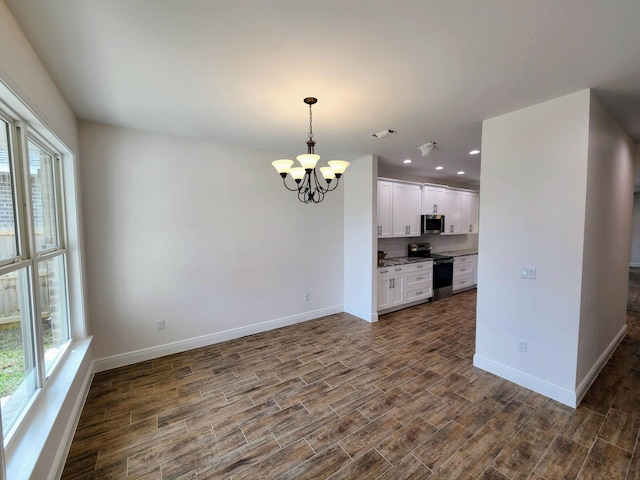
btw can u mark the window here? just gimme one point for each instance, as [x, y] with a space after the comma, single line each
[34, 319]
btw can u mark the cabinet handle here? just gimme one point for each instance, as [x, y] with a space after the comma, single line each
[418, 293]
[471, 228]
[394, 282]
[418, 278]
[451, 229]
[419, 266]
[435, 208]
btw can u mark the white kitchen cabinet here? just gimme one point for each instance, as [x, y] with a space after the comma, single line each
[390, 286]
[385, 198]
[433, 200]
[418, 282]
[404, 285]
[453, 209]
[470, 210]
[463, 272]
[406, 207]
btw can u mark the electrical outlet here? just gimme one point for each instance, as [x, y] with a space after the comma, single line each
[528, 272]
[306, 297]
[160, 324]
[521, 346]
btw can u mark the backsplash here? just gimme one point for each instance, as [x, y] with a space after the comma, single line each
[397, 247]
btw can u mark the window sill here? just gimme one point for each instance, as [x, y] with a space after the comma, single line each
[38, 447]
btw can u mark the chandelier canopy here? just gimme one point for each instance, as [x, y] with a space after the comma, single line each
[309, 187]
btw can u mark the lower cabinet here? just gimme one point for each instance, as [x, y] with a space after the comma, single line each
[464, 272]
[390, 286]
[404, 284]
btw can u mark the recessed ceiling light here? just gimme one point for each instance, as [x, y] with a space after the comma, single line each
[408, 160]
[474, 152]
[460, 172]
[439, 167]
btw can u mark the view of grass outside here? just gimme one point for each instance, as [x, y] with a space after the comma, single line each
[12, 358]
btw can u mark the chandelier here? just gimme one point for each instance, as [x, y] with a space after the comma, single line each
[309, 187]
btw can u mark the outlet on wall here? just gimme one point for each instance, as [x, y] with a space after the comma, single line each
[528, 272]
[160, 324]
[306, 297]
[521, 345]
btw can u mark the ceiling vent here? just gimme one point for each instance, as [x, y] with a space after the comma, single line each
[384, 133]
[425, 148]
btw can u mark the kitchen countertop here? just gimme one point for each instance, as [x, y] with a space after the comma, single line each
[458, 253]
[392, 262]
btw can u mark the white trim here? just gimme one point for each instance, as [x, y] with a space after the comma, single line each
[370, 317]
[586, 382]
[67, 438]
[532, 383]
[144, 354]
[40, 445]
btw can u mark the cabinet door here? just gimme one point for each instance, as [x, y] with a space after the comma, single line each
[384, 209]
[397, 290]
[433, 200]
[384, 293]
[399, 227]
[474, 270]
[453, 207]
[474, 213]
[469, 219]
[413, 207]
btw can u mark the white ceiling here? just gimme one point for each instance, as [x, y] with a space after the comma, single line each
[236, 71]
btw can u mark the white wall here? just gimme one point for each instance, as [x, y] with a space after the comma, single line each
[534, 179]
[607, 238]
[23, 73]
[38, 447]
[360, 205]
[203, 236]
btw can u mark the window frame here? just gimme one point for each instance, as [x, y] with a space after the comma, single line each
[28, 257]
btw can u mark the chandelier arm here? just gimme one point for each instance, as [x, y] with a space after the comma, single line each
[284, 182]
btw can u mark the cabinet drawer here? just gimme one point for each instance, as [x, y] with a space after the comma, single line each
[419, 267]
[465, 260]
[421, 277]
[390, 271]
[462, 281]
[418, 293]
[462, 270]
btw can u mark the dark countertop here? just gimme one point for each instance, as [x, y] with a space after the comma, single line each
[458, 253]
[391, 262]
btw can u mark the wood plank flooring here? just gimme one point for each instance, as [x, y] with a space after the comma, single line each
[340, 398]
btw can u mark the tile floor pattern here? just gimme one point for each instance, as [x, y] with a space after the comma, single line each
[343, 399]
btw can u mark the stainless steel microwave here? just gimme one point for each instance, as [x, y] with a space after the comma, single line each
[432, 224]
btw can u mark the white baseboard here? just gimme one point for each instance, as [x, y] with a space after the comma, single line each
[562, 395]
[129, 358]
[559, 394]
[586, 382]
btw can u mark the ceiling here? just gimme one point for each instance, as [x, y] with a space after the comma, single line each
[236, 72]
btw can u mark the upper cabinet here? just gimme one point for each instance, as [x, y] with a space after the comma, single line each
[385, 197]
[470, 212]
[401, 204]
[399, 208]
[407, 205]
[453, 211]
[433, 200]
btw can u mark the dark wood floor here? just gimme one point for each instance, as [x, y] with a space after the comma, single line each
[343, 399]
